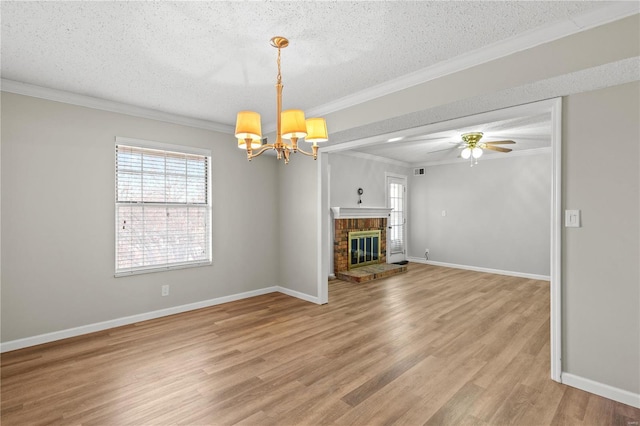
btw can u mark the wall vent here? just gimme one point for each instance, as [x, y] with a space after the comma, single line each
[418, 172]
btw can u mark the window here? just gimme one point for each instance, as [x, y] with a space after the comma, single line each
[163, 207]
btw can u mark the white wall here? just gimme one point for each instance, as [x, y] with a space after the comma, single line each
[498, 214]
[601, 272]
[350, 172]
[58, 219]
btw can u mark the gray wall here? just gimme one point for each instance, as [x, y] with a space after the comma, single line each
[498, 214]
[58, 218]
[298, 216]
[600, 262]
[349, 172]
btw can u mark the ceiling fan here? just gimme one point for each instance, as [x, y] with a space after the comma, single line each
[472, 147]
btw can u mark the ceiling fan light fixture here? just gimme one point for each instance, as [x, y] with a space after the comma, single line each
[466, 153]
[476, 152]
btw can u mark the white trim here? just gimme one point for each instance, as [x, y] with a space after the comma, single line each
[405, 243]
[554, 106]
[556, 242]
[524, 41]
[327, 246]
[322, 232]
[118, 322]
[610, 392]
[183, 149]
[154, 269]
[360, 212]
[26, 89]
[298, 295]
[480, 269]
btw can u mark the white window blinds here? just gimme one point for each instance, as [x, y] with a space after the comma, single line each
[163, 209]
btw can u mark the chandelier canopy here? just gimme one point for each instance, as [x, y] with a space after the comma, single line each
[291, 124]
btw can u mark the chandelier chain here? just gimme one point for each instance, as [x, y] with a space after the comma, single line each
[279, 74]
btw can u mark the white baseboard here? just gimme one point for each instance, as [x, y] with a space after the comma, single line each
[615, 394]
[299, 295]
[480, 269]
[118, 322]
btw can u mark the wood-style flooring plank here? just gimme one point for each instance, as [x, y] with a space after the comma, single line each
[434, 346]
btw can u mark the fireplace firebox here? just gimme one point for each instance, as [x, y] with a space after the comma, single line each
[364, 248]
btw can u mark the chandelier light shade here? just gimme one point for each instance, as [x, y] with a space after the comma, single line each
[316, 130]
[291, 124]
[248, 125]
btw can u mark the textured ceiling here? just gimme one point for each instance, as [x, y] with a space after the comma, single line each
[208, 60]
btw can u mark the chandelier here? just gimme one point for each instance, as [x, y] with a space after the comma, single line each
[291, 124]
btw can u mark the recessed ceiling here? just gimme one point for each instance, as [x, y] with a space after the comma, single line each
[208, 60]
[529, 132]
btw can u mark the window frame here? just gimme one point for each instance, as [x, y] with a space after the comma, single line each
[181, 149]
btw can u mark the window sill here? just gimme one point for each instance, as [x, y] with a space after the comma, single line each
[161, 269]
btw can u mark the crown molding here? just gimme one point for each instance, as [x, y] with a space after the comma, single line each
[26, 89]
[527, 40]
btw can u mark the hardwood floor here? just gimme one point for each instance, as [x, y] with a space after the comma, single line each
[433, 346]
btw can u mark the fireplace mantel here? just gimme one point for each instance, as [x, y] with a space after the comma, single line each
[360, 212]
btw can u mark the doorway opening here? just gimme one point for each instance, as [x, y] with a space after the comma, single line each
[552, 107]
[396, 189]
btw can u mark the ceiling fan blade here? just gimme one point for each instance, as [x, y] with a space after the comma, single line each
[498, 148]
[499, 142]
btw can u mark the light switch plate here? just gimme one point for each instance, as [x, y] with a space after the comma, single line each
[572, 218]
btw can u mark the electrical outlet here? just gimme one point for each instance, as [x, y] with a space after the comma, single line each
[165, 290]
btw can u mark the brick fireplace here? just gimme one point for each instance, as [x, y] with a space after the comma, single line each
[371, 254]
[341, 249]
